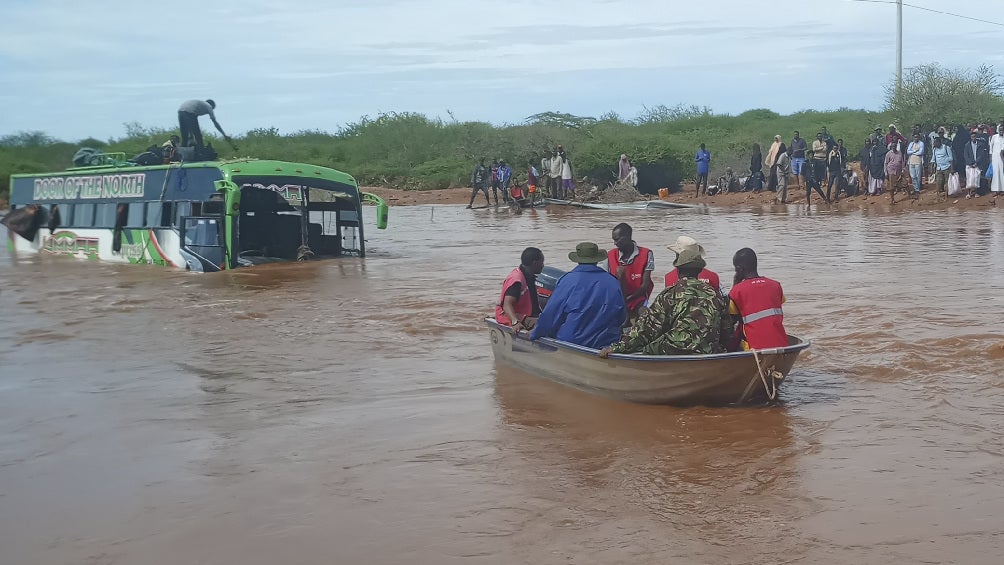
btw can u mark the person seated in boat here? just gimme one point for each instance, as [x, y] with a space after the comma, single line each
[519, 305]
[587, 306]
[688, 318]
[755, 303]
[633, 266]
[685, 242]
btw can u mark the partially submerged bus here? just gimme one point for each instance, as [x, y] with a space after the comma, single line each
[204, 216]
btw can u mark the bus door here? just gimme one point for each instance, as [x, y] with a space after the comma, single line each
[202, 246]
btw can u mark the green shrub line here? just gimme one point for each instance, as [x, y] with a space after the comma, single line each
[412, 151]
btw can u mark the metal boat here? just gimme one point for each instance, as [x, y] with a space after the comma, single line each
[724, 378]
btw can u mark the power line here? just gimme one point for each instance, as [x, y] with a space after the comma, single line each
[930, 10]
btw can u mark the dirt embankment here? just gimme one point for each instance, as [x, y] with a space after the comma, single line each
[929, 199]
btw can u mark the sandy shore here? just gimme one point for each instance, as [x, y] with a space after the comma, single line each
[929, 199]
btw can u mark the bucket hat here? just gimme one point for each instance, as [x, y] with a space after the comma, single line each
[587, 252]
[689, 257]
[686, 242]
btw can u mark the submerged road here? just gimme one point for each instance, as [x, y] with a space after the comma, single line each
[350, 411]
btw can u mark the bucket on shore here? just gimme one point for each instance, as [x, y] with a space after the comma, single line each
[663, 193]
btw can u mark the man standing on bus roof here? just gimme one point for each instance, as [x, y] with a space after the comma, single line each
[188, 121]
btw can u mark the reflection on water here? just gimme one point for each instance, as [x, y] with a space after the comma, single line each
[350, 411]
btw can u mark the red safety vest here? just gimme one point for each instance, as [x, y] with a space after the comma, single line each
[705, 275]
[524, 304]
[635, 271]
[759, 302]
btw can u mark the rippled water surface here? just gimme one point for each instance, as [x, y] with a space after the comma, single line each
[350, 411]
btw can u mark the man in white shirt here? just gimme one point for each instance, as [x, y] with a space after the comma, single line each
[188, 121]
[915, 159]
[997, 159]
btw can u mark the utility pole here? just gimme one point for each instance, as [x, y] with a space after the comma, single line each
[899, 46]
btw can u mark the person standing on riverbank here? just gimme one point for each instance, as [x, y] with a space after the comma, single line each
[555, 175]
[798, 148]
[783, 171]
[941, 162]
[771, 162]
[894, 137]
[876, 168]
[864, 158]
[820, 153]
[915, 160]
[545, 173]
[997, 160]
[755, 182]
[703, 159]
[567, 182]
[977, 156]
[894, 167]
[835, 168]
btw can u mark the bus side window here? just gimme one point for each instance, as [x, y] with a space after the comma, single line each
[66, 214]
[85, 215]
[166, 214]
[181, 209]
[137, 215]
[106, 215]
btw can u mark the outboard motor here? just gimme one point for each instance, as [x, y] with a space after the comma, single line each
[546, 281]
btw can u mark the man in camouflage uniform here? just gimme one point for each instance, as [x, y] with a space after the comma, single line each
[690, 317]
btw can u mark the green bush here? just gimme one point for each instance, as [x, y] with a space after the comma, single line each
[410, 150]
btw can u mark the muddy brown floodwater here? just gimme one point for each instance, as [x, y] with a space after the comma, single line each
[350, 411]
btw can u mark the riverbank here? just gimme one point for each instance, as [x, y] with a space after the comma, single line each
[929, 199]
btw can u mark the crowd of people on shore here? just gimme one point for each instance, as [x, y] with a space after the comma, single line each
[965, 159]
[554, 178]
[608, 307]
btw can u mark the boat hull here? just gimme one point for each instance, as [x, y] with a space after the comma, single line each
[727, 378]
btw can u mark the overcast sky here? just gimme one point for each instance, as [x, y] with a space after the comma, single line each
[75, 70]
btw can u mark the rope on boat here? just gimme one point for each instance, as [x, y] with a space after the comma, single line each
[775, 377]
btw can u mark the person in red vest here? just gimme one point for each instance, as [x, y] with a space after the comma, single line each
[518, 305]
[633, 266]
[756, 303]
[683, 242]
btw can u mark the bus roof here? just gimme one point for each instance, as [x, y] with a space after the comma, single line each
[142, 181]
[251, 167]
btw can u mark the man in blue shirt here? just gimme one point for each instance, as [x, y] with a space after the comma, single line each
[587, 306]
[703, 158]
[941, 159]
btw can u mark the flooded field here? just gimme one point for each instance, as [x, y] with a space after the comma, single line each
[351, 412]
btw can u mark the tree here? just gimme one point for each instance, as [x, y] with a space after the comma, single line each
[932, 94]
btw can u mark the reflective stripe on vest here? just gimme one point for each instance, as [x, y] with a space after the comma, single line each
[762, 314]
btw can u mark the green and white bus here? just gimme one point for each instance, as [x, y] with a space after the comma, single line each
[203, 216]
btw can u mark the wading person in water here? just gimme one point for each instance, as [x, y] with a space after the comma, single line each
[479, 182]
[633, 266]
[755, 302]
[519, 305]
